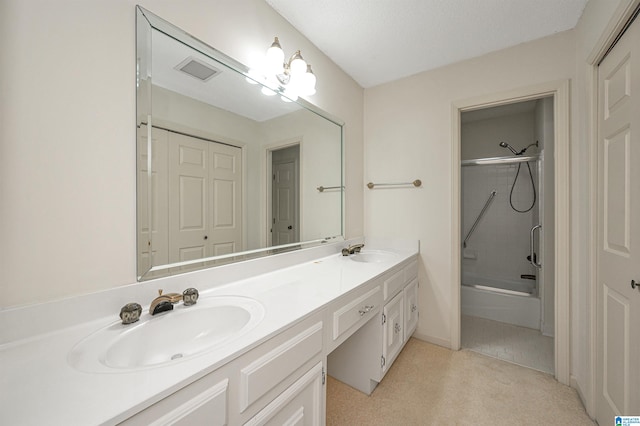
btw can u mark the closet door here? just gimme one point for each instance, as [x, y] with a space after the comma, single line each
[618, 297]
[225, 183]
[188, 195]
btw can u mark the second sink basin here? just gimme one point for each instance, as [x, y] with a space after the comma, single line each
[168, 337]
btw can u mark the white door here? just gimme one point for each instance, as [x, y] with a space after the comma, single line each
[225, 182]
[392, 334]
[411, 312]
[205, 189]
[284, 202]
[188, 192]
[285, 195]
[618, 304]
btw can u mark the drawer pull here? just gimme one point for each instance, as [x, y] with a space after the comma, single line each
[366, 309]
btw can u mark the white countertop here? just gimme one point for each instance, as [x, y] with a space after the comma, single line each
[39, 386]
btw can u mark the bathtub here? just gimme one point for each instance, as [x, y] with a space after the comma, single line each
[513, 303]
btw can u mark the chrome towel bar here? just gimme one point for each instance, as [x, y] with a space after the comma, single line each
[415, 183]
[323, 188]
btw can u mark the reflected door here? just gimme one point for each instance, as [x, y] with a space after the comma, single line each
[618, 304]
[285, 203]
[205, 211]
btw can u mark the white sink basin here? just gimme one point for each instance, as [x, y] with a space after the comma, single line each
[169, 337]
[374, 256]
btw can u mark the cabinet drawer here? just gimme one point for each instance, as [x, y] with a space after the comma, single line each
[393, 284]
[359, 310]
[266, 372]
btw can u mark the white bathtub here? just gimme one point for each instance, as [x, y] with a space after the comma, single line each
[499, 306]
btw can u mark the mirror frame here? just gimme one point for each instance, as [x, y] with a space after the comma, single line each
[146, 22]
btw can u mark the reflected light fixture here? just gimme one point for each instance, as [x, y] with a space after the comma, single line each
[291, 79]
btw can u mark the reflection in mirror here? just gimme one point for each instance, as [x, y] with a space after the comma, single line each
[230, 173]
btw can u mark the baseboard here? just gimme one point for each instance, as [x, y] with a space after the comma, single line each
[576, 385]
[431, 339]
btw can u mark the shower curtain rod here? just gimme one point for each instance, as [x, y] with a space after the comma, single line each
[500, 160]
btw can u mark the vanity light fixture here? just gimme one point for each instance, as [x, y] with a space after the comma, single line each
[292, 78]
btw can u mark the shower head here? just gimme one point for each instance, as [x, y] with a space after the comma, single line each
[506, 145]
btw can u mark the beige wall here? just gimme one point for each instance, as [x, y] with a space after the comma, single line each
[481, 138]
[408, 136]
[67, 153]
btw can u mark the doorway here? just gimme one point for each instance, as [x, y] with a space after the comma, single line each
[285, 195]
[558, 91]
[507, 223]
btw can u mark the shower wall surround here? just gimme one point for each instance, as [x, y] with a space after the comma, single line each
[500, 242]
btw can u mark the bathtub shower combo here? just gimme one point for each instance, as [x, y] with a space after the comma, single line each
[501, 223]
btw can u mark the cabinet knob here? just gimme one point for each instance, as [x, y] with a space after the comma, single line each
[397, 328]
[366, 309]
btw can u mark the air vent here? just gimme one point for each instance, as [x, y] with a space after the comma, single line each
[198, 69]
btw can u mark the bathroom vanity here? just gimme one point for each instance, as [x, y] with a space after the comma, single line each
[314, 311]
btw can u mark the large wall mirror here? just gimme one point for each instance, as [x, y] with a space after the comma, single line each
[225, 172]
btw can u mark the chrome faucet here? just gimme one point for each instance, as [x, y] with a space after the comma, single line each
[165, 302]
[355, 248]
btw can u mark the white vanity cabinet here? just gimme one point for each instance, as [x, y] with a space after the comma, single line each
[400, 312]
[364, 358]
[279, 382]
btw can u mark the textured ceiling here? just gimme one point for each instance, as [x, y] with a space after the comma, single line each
[377, 41]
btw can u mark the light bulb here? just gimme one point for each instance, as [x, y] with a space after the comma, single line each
[275, 57]
[308, 82]
[297, 64]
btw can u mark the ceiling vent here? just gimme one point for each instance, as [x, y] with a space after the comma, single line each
[198, 69]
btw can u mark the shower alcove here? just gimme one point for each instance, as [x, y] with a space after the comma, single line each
[507, 229]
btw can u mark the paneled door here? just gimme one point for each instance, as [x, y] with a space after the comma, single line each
[285, 193]
[225, 182]
[618, 296]
[205, 207]
[188, 192]
[284, 201]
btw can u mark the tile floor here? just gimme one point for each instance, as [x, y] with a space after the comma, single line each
[520, 345]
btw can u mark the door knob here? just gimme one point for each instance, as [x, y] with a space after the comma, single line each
[289, 227]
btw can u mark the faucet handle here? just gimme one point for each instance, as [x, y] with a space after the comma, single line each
[190, 296]
[130, 313]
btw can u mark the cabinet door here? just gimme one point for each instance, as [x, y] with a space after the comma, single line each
[393, 334]
[301, 404]
[411, 308]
